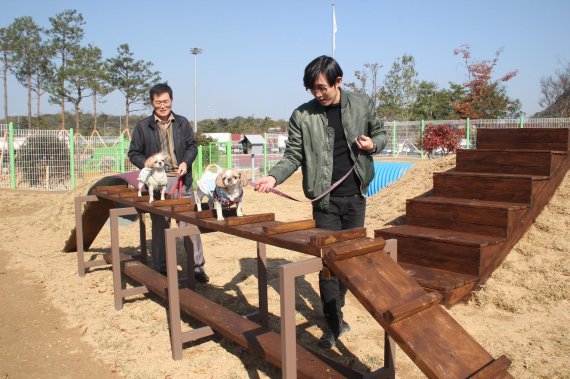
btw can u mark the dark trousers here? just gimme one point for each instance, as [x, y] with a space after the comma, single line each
[343, 213]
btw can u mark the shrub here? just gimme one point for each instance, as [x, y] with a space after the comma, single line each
[39, 152]
[441, 139]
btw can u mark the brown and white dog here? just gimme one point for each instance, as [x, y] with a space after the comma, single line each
[154, 176]
[223, 188]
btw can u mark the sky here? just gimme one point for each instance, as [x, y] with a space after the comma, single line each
[255, 51]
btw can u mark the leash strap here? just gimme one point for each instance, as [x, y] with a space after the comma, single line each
[326, 191]
[177, 186]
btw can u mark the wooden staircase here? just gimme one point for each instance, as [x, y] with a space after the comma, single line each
[455, 239]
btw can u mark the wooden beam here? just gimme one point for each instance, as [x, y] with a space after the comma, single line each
[129, 195]
[164, 203]
[243, 220]
[288, 227]
[410, 308]
[494, 369]
[323, 239]
[112, 189]
[360, 247]
[183, 208]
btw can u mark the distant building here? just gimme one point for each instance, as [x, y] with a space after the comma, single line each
[253, 144]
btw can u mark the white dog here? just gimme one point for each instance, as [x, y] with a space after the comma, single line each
[154, 176]
[223, 188]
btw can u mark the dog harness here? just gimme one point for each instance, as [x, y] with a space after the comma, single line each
[224, 199]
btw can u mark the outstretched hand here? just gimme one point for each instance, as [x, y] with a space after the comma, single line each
[265, 184]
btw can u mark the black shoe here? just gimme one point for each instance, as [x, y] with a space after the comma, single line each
[201, 277]
[328, 341]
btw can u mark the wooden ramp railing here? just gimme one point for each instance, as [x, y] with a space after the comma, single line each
[432, 339]
[453, 240]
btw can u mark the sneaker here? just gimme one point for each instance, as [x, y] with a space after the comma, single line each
[201, 277]
[328, 341]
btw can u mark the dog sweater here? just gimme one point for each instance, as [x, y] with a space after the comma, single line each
[157, 180]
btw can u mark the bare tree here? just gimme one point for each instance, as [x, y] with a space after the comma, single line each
[370, 71]
[554, 87]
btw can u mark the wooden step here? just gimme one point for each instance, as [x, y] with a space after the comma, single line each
[453, 286]
[487, 186]
[509, 161]
[443, 249]
[526, 138]
[464, 215]
[248, 334]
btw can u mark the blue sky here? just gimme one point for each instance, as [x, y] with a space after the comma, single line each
[255, 51]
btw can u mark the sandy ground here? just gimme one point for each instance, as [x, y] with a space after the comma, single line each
[522, 311]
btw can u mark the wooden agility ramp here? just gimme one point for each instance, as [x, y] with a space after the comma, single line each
[438, 345]
[454, 239]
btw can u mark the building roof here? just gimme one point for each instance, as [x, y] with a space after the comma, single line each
[254, 139]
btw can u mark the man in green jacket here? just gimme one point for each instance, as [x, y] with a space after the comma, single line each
[328, 137]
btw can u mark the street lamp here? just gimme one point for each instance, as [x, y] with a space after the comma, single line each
[195, 51]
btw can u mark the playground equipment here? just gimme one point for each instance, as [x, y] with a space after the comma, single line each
[386, 173]
[453, 240]
[439, 346]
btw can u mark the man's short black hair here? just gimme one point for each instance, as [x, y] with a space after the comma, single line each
[321, 65]
[159, 89]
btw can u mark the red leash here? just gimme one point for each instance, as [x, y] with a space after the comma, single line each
[177, 186]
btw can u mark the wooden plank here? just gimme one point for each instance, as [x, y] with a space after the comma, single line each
[500, 161]
[480, 187]
[95, 215]
[236, 328]
[288, 227]
[523, 138]
[167, 202]
[329, 238]
[142, 199]
[183, 208]
[434, 341]
[355, 248]
[261, 217]
[411, 307]
[128, 195]
[106, 189]
[115, 190]
[493, 369]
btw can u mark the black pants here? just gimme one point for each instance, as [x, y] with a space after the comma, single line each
[343, 213]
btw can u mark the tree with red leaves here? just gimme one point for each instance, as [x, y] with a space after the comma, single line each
[441, 139]
[485, 97]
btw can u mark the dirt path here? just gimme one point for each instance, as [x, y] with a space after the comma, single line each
[34, 342]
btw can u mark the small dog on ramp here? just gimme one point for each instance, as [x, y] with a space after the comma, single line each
[222, 187]
[154, 176]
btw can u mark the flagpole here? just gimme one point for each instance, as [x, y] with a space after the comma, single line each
[333, 30]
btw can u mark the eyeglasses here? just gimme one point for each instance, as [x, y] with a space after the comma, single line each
[161, 103]
[319, 89]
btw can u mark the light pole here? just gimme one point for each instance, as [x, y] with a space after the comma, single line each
[195, 51]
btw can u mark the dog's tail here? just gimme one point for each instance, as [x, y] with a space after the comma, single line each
[216, 168]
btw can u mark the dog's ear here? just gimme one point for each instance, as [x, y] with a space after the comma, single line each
[242, 179]
[149, 163]
[220, 180]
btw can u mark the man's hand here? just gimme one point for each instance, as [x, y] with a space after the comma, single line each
[182, 168]
[365, 143]
[265, 184]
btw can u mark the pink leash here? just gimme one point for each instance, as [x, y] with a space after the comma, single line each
[326, 192]
[177, 186]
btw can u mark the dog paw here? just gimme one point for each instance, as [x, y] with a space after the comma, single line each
[239, 214]
[220, 218]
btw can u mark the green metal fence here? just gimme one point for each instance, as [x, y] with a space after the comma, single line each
[56, 160]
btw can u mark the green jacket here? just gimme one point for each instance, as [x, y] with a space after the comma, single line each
[311, 142]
